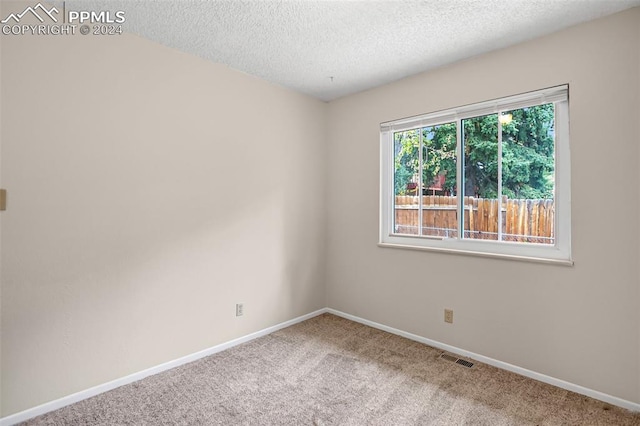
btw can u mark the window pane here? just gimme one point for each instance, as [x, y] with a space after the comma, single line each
[528, 181]
[439, 216]
[406, 181]
[502, 188]
[480, 177]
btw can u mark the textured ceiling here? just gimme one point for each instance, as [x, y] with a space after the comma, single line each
[329, 49]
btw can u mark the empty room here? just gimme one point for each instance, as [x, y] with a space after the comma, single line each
[320, 212]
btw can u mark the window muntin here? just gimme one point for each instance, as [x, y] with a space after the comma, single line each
[491, 178]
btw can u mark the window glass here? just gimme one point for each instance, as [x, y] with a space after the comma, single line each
[439, 206]
[528, 174]
[480, 177]
[488, 178]
[406, 181]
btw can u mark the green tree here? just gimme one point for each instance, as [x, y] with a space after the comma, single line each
[440, 155]
[481, 156]
[527, 155]
[406, 159]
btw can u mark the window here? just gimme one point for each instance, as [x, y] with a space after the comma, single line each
[491, 178]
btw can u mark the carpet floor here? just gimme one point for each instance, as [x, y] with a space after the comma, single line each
[331, 371]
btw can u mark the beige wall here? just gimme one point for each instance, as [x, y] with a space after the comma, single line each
[580, 324]
[149, 191]
[638, 139]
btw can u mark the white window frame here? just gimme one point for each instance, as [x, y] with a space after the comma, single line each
[559, 252]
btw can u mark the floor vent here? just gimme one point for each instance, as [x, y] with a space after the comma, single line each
[455, 359]
[464, 363]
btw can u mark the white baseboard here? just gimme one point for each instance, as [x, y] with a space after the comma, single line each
[96, 390]
[613, 400]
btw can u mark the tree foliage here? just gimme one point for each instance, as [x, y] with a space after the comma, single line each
[527, 155]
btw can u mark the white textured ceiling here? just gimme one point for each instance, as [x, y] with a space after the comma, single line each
[329, 49]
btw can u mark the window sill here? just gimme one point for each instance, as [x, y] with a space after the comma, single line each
[560, 262]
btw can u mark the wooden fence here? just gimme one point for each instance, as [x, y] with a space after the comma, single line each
[522, 220]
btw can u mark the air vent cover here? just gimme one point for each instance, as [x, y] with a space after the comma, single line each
[464, 363]
[456, 360]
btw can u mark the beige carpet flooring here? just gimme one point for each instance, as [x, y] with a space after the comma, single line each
[331, 371]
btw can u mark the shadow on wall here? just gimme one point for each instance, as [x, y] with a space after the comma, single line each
[145, 201]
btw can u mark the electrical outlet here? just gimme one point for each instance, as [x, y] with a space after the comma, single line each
[448, 316]
[239, 309]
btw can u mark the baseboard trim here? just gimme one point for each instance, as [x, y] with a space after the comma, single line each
[96, 390]
[613, 400]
